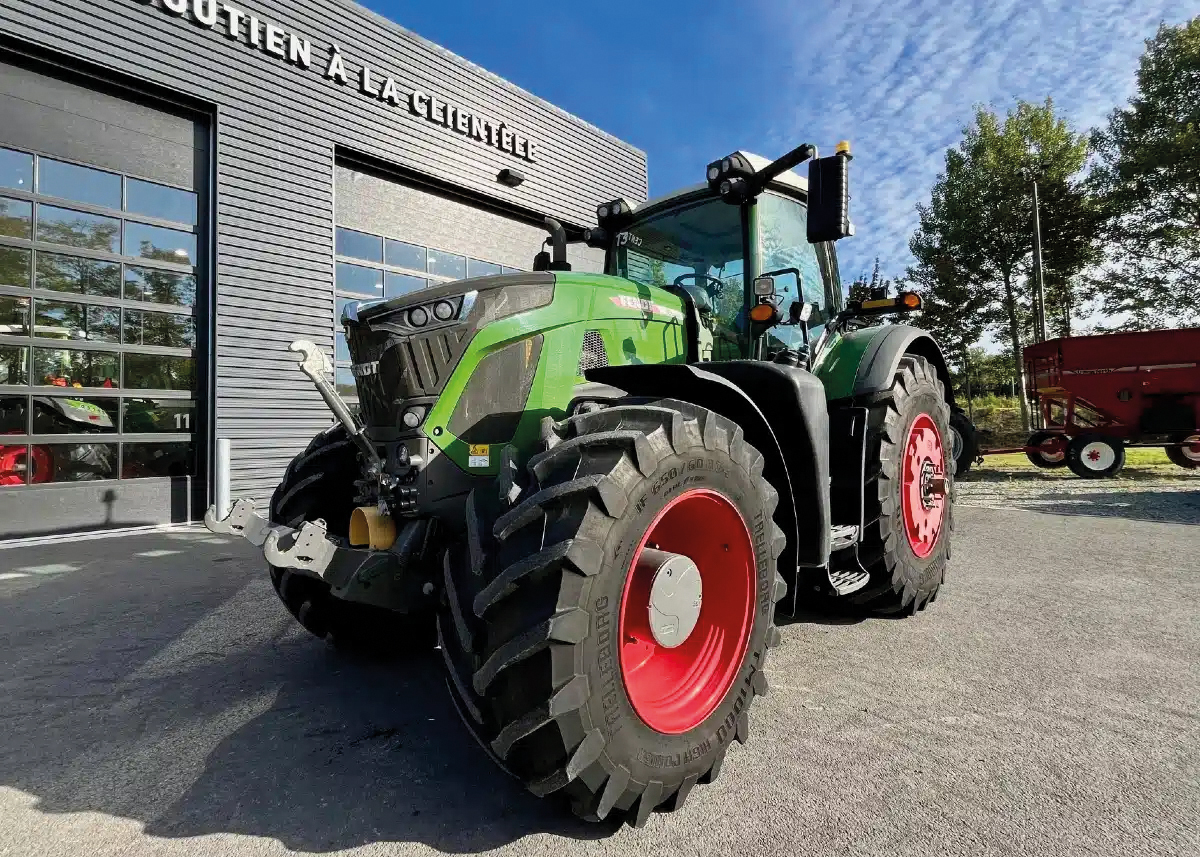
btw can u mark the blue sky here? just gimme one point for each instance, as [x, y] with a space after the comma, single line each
[688, 82]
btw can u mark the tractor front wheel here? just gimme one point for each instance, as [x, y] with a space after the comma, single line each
[606, 636]
[319, 483]
[1187, 454]
[964, 442]
[1094, 456]
[908, 499]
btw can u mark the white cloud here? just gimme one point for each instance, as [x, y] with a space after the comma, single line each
[900, 79]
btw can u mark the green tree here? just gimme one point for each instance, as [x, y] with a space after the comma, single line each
[975, 238]
[1149, 179]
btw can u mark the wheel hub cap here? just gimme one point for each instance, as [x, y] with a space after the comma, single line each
[923, 485]
[675, 596]
[687, 611]
[1191, 448]
[1098, 456]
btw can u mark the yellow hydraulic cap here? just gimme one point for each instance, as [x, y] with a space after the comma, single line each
[843, 148]
[370, 528]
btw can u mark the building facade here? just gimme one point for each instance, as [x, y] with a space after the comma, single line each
[187, 186]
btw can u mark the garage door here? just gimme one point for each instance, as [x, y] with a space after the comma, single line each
[393, 238]
[101, 292]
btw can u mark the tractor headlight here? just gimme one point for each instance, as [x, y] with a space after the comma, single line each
[443, 310]
[412, 417]
[602, 212]
[713, 172]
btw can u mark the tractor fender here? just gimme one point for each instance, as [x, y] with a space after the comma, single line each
[758, 396]
[881, 359]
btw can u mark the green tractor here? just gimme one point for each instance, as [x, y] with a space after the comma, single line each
[595, 491]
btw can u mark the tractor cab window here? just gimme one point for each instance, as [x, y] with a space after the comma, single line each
[783, 243]
[699, 248]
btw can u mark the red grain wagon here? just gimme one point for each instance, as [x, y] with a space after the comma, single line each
[1100, 394]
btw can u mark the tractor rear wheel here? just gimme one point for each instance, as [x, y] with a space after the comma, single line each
[1047, 450]
[605, 636]
[908, 500]
[1094, 456]
[319, 483]
[1187, 455]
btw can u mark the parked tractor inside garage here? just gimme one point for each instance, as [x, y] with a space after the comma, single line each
[597, 490]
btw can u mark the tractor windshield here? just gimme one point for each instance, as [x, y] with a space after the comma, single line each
[697, 246]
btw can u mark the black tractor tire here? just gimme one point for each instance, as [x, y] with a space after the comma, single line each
[319, 483]
[964, 442]
[1038, 459]
[531, 630]
[902, 582]
[1182, 456]
[1094, 456]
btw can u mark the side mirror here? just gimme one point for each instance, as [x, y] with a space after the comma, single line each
[829, 197]
[799, 311]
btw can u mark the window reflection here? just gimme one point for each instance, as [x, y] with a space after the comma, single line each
[159, 328]
[81, 184]
[476, 268]
[14, 266]
[78, 462]
[156, 372]
[76, 321]
[404, 255]
[344, 381]
[158, 242]
[159, 415]
[76, 274]
[14, 364]
[68, 367]
[14, 464]
[13, 415]
[157, 200]
[157, 459]
[14, 316]
[402, 284]
[65, 415]
[16, 170]
[507, 270]
[447, 264]
[359, 245]
[341, 351]
[78, 229]
[356, 278]
[162, 287]
[16, 217]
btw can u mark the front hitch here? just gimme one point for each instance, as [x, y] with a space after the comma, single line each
[398, 578]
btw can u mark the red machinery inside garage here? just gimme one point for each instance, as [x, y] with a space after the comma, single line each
[1100, 394]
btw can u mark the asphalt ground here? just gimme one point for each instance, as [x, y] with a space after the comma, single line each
[156, 699]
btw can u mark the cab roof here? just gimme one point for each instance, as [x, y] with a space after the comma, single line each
[790, 180]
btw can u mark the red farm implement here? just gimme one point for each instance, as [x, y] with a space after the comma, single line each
[1098, 395]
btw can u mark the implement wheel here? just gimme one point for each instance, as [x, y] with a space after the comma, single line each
[964, 442]
[319, 483]
[606, 636]
[1094, 456]
[1187, 455]
[1047, 450]
[909, 493]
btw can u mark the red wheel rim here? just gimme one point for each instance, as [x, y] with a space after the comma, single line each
[676, 689]
[15, 462]
[922, 489]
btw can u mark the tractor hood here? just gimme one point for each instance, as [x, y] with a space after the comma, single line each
[404, 349]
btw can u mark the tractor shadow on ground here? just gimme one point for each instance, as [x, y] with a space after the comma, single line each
[1163, 507]
[197, 719]
[1030, 474]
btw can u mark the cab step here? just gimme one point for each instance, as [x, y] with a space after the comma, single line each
[842, 536]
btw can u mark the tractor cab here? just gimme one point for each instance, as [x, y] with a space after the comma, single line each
[695, 243]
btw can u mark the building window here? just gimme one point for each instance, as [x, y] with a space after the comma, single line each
[97, 324]
[370, 267]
